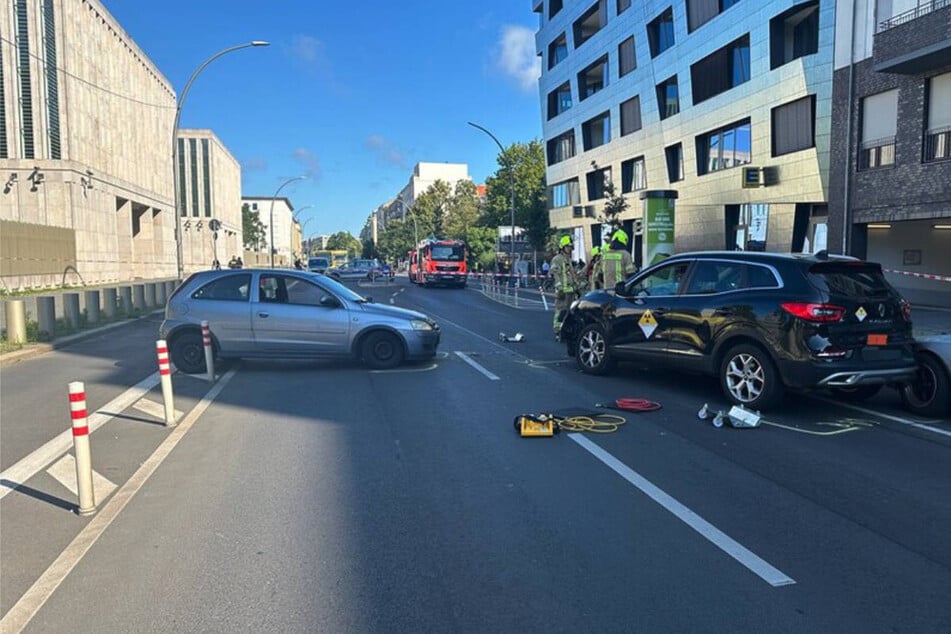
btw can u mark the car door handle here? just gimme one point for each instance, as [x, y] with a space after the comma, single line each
[264, 315]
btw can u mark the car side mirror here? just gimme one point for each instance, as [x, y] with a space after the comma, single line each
[620, 288]
[369, 299]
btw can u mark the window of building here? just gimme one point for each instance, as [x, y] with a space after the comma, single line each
[206, 176]
[724, 69]
[938, 134]
[561, 147]
[668, 98]
[193, 156]
[4, 149]
[564, 194]
[724, 148]
[597, 181]
[554, 6]
[559, 100]
[557, 50]
[879, 126]
[52, 80]
[182, 190]
[794, 126]
[27, 147]
[660, 32]
[626, 57]
[794, 33]
[675, 162]
[596, 131]
[630, 115]
[590, 22]
[699, 12]
[633, 175]
[593, 78]
[622, 6]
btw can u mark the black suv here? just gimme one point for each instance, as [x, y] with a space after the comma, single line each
[761, 321]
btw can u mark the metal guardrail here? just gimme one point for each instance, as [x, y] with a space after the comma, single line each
[912, 14]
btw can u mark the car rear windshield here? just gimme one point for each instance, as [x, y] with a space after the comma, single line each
[858, 279]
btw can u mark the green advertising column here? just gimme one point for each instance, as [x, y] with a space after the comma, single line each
[658, 241]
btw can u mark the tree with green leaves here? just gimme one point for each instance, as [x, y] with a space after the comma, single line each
[252, 228]
[527, 163]
[615, 205]
[344, 241]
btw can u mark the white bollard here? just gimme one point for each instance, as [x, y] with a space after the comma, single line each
[209, 351]
[77, 411]
[165, 372]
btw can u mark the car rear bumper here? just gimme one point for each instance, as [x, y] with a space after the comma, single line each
[820, 374]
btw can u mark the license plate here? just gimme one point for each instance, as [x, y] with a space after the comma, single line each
[877, 340]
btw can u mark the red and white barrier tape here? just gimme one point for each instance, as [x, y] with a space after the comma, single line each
[926, 276]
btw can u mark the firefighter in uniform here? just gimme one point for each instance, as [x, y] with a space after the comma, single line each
[566, 282]
[591, 271]
[616, 263]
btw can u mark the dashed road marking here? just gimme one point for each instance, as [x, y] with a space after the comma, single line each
[486, 373]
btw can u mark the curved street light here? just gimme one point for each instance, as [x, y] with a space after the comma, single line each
[511, 171]
[176, 186]
[271, 225]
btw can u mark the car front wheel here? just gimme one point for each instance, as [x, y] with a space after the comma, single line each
[188, 353]
[749, 378]
[930, 393]
[591, 351]
[382, 351]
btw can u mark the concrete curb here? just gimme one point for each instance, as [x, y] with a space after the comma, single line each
[33, 350]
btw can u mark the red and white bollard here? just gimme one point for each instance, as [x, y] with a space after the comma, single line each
[165, 373]
[77, 411]
[209, 351]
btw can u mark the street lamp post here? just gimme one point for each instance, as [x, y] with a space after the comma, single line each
[511, 184]
[176, 186]
[271, 225]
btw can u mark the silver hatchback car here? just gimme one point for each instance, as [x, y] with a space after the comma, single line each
[263, 313]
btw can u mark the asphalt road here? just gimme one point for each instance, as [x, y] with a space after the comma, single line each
[326, 497]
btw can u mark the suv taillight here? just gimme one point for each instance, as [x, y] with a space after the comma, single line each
[906, 310]
[814, 312]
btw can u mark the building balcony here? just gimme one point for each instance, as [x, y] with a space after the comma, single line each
[915, 41]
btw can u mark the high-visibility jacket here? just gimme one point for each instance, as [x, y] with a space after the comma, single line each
[615, 266]
[563, 272]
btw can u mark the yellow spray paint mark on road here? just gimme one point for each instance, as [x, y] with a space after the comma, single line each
[843, 426]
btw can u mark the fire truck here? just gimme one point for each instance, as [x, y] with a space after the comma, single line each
[439, 262]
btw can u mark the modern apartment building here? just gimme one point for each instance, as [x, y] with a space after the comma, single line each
[85, 146]
[725, 102]
[890, 181]
[210, 189]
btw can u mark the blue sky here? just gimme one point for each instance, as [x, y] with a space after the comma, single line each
[352, 94]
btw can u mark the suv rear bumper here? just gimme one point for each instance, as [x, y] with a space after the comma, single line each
[811, 375]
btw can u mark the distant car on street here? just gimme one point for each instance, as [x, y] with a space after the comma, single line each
[761, 322]
[929, 394]
[359, 269]
[318, 264]
[264, 313]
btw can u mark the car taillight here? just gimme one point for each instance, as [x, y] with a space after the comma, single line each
[906, 310]
[814, 312]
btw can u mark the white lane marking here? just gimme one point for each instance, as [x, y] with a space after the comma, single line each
[896, 419]
[20, 615]
[467, 359]
[32, 464]
[64, 470]
[476, 335]
[718, 538]
[153, 409]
